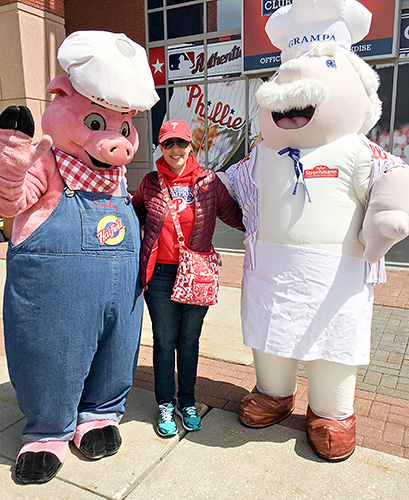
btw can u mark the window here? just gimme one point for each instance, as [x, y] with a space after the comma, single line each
[223, 15]
[155, 26]
[198, 46]
[185, 21]
[401, 127]
[380, 133]
[154, 4]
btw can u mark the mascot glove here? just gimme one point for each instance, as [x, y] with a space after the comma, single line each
[386, 221]
[18, 153]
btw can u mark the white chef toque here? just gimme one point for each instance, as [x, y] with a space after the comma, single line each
[110, 69]
[298, 26]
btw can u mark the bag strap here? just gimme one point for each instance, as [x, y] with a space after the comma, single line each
[173, 213]
[175, 217]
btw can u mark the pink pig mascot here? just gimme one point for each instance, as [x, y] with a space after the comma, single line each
[321, 206]
[72, 301]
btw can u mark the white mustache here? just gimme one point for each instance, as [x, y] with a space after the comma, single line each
[294, 95]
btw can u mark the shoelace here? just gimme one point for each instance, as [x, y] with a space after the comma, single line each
[191, 411]
[166, 413]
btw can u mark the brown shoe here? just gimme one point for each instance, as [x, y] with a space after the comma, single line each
[332, 440]
[259, 410]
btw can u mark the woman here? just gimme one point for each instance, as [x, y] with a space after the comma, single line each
[199, 197]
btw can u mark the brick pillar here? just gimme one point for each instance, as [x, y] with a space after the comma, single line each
[30, 34]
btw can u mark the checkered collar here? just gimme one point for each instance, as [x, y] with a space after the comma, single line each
[79, 176]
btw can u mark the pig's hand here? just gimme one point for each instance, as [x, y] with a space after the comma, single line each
[386, 221]
[17, 151]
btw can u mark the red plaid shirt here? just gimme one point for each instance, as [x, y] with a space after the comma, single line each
[79, 176]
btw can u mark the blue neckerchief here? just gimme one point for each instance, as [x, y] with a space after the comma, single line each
[294, 154]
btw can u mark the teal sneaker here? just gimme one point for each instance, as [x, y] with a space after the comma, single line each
[166, 421]
[190, 419]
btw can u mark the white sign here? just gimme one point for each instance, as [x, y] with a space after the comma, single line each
[187, 61]
[226, 118]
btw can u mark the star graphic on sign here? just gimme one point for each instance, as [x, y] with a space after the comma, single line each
[158, 66]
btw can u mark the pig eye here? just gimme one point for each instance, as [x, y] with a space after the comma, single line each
[125, 129]
[331, 63]
[94, 121]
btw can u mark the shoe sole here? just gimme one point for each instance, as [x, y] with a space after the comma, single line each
[179, 413]
[158, 432]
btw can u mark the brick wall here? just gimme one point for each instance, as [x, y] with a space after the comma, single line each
[118, 16]
[54, 6]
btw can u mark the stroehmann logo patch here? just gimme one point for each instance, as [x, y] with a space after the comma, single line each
[320, 171]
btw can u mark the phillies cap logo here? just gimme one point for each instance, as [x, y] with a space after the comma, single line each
[110, 230]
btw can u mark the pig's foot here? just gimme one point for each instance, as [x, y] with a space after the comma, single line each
[98, 438]
[40, 461]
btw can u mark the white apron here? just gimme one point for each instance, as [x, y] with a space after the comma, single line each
[298, 304]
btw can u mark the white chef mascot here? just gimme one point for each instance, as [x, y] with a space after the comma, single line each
[322, 205]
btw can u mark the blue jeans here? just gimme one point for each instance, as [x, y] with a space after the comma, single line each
[175, 327]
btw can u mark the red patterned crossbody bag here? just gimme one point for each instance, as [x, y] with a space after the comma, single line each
[197, 278]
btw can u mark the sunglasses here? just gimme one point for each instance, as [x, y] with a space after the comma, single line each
[180, 143]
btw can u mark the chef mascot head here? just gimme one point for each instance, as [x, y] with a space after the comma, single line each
[314, 236]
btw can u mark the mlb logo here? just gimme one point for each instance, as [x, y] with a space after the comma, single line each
[182, 61]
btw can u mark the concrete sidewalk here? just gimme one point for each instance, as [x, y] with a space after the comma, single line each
[223, 461]
[226, 460]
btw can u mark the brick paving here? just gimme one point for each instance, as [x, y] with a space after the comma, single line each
[382, 395]
[382, 421]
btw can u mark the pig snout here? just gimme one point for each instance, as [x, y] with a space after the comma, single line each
[118, 151]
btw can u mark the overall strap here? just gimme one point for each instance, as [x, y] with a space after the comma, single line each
[173, 213]
[124, 191]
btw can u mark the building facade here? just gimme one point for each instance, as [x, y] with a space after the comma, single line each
[208, 58]
[206, 72]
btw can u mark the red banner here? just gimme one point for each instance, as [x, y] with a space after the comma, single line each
[157, 65]
[260, 54]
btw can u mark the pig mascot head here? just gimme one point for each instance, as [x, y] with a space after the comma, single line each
[74, 217]
[90, 117]
[100, 137]
[319, 199]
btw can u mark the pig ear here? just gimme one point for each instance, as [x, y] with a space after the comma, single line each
[60, 85]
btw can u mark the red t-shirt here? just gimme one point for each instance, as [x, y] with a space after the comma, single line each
[181, 192]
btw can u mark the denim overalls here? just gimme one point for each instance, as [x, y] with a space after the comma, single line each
[73, 313]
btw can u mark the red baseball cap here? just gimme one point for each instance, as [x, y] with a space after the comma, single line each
[175, 129]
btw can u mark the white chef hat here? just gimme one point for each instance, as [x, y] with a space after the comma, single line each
[299, 25]
[110, 69]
